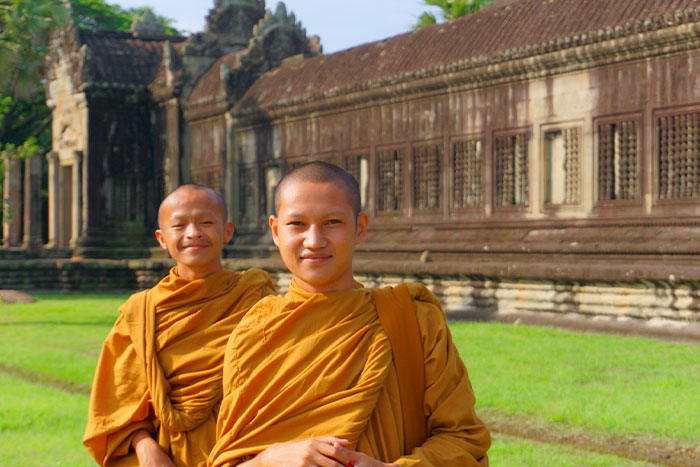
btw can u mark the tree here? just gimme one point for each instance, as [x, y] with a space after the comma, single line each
[449, 9]
[25, 26]
[97, 14]
[24, 33]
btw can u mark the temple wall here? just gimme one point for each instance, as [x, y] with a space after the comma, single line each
[579, 146]
[460, 296]
[209, 152]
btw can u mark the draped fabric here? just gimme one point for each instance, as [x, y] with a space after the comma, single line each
[161, 366]
[310, 365]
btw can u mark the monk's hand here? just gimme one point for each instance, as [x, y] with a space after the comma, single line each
[149, 453]
[312, 452]
[358, 459]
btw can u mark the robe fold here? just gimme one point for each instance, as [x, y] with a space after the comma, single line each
[160, 368]
[311, 365]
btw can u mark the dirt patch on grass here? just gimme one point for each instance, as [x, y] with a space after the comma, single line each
[634, 447]
[15, 296]
[45, 380]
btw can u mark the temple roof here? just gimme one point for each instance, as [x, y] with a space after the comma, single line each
[121, 58]
[210, 83]
[506, 30]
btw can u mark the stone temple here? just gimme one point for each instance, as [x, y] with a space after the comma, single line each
[537, 155]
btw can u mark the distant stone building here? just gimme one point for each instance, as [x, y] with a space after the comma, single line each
[136, 114]
[535, 155]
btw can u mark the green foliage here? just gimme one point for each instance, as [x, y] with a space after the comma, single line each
[25, 26]
[98, 15]
[449, 9]
[24, 33]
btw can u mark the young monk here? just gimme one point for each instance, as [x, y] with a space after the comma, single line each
[157, 387]
[311, 378]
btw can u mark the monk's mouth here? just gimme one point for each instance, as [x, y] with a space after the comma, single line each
[194, 247]
[315, 259]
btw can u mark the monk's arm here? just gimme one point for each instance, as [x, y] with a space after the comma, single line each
[456, 436]
[119, 403]
[149, 451]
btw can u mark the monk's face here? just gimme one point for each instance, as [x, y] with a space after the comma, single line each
[316, 232]
[193, 230]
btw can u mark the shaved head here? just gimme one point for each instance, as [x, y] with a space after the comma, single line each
[322, 172]
[215, 197]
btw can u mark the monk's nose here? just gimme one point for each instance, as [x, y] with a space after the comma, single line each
[192, 231]
[314, 237]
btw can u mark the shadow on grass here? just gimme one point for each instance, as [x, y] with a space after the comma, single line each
[46, 380]
[56, 323]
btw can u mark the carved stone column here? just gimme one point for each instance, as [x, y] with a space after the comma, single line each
[12, 198]
[231, 171]
[171, 161]
[76, 198]
[52, 157]
[33, 221]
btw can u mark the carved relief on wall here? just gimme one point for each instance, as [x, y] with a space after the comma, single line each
[68, 130]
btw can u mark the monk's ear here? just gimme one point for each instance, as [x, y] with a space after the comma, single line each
[273, 228]
[160, 236]
[361, 227]
[228, 231]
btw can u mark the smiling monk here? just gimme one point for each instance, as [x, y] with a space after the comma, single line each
[336, 374]
[158, 384]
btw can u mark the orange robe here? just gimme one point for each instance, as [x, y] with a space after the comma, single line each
[311, 365]
[161, 366]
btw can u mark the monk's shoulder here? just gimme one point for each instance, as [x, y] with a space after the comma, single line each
[133, 308]
[429, 312]
[255, 279]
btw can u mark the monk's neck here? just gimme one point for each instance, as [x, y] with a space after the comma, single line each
[192, 274]
[339, 286]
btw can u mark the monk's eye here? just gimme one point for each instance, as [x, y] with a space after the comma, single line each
[296, 223]
[335, 221]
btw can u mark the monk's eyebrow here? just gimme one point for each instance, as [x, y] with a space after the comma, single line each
[330, 215]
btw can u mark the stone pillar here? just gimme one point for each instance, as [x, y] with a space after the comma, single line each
[52, 157]
[171, 161]
[12, 199]
[33, 221]
[231, 171]
[76, 198]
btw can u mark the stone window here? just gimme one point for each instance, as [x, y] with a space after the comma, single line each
[679, 156]
[247, 206]
[511, 170]
[562, 160]
[426, 176]
[618, 160]
[358, 166]
[466, 173]
[128, 198]
[390, 180]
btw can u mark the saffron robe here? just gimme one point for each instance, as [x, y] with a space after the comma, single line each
[310, 365]
[160, 368]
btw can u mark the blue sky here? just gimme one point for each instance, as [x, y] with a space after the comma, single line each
[341, 24]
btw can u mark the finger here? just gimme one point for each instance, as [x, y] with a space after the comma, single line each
[333, 439]
[335, 453]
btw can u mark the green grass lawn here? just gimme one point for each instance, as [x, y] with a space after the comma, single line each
[605, 384]
[594, 387]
